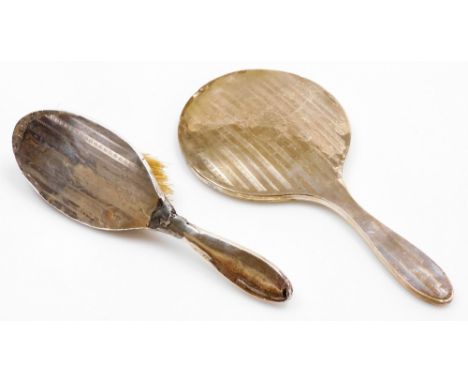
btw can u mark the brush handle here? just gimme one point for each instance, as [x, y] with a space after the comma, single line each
[408, 264]
[248, 271]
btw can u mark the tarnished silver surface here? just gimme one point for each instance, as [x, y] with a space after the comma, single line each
[269, 135]
[84, 170]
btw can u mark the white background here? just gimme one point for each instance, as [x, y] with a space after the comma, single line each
[209, 30]
[406, 165]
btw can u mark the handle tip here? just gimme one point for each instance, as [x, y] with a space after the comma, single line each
[286, 292]
[436, 289]
[443, 294]
[277, 291]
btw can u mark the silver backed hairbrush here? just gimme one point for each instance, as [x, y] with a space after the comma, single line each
[93, 176]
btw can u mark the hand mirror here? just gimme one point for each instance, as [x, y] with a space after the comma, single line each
[274, 136]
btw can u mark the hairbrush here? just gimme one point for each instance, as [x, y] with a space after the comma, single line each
[94, 177]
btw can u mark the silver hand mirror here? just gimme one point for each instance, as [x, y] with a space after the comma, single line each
[274, 136]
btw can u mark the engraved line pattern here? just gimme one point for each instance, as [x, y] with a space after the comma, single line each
[277, 110]
[84, 170]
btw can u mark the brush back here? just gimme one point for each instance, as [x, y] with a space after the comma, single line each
[84, 170]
